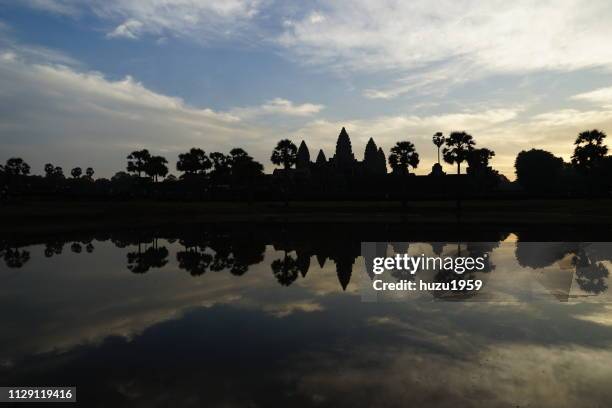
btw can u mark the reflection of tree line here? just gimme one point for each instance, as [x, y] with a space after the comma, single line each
[219, 248]
[587, 260]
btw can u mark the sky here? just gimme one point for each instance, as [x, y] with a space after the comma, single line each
[83, 83]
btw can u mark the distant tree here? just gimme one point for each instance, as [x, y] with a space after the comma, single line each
[458, 144]
[52, 171]
[15, 166]
[156, 167]
[137, 161]
[194, 162]
[49, 170]
[76, 172]
[478, 159]
[438, 141]
[403, 156]
[120, 176]
[284, 154]
[244, 170]
[589, 150]
[220, 167]
[89, 172]
[538, 170]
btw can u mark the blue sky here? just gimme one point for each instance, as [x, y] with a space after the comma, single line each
[84, 82]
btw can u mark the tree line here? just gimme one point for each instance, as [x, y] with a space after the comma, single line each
[218, 174]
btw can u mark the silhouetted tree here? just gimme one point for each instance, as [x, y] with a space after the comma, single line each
[538, 170]
[89, 172]
[479, 158]
[285, 270]
[458, 144]
[53, 173]
[284, 154]
[194, 162]
[438, 141]
[49, 170]
[156, 167]
[221, 166]
[15, 166]
[137, 161]
[76, 172]
[589, 150]
[244, 169]
[403, 156]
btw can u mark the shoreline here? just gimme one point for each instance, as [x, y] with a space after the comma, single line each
[40, 214]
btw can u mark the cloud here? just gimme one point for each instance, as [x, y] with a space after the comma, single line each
[279, 106]
[51, 112]
[65, 7]
[130, 29]
[601, 96]
[495, 36]
[201, 20]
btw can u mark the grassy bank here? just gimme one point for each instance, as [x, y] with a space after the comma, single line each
[579, 211]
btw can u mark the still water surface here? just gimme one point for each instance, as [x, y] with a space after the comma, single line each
[215, 316]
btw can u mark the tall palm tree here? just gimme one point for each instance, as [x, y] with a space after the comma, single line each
[458, 145]
[438, 140]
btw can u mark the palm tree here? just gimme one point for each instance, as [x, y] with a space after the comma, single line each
[438, 140]
[16, 166]
[76, 172]
[137, 161]
[458, 144]
[403, 156]
[285, 154]
[156, 166]
[589, 149]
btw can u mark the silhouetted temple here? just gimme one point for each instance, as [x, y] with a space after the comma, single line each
[343, 161]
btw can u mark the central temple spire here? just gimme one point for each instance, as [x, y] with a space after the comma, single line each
[344, 151]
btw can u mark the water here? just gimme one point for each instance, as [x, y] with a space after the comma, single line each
[276, 315]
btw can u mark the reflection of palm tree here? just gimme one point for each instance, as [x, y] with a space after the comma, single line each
[15, 258]
[193, 261]
[152, 257]
[53, 248]
[285, 270]
[590, 276]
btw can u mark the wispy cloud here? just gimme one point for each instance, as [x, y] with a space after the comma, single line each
[130, 29]
[496, 36]
[279, 106]
[601, 96]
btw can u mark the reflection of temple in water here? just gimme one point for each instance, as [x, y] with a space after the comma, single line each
[560, 267]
